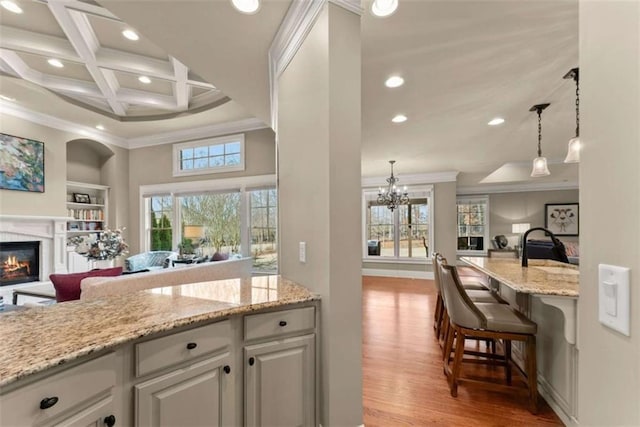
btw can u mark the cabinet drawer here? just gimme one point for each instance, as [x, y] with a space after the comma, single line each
[71, 387]
[181, 347]
[279, 323]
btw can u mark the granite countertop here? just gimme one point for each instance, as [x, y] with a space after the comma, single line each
[543, 277]
[42, 337]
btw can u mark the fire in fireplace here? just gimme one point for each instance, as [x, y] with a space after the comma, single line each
[19, 262]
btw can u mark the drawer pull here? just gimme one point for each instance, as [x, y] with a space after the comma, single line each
[48, 402]
[252, 361]
[283, 323]
[191, 346]
[227, 369]
[110, 421]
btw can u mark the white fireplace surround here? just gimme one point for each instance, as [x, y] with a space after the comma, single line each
[50, 231]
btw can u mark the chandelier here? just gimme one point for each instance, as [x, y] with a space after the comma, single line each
[392, 196]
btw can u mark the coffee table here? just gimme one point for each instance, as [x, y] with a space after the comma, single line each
[38, 291]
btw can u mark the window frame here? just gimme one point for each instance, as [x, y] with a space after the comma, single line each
[222, 140]
[487, 242]
[396, 221]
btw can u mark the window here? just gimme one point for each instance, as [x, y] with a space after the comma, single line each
[473, 224]
[160, 220]
[224, 154]
[264, 216]
[404, 234]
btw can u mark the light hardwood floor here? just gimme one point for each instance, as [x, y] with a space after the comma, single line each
[403, 379]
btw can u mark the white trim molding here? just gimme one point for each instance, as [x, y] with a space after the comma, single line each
[403, 274]
[515, 188]
[292, 32]
[414, 179]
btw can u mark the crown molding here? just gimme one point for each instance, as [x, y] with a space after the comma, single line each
[64, 125]
[413, 179]
[516, 188]
[244, 125]
[350, 5]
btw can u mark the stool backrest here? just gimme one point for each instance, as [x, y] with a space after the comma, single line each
[461, 309]
[436, 271]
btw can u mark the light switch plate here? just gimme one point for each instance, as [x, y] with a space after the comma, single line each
[613, 297]
[303, 251]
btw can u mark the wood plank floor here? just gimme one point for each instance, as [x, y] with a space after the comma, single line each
[403, 380]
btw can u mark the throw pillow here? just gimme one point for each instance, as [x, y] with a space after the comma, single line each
[219, 257]
[68, 285]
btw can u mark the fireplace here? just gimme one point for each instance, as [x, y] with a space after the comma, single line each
[19, 262]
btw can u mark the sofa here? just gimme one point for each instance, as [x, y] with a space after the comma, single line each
[96, 287]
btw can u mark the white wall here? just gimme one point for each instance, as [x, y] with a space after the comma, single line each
[609, 368]
[319, 198]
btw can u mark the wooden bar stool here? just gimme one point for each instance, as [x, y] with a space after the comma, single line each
[489, 321]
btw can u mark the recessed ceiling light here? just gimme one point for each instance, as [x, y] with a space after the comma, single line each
[131, 35]
[55, 63]
[399, 118]
[383, 8]
[394, 81]
[7, 98]
[246, 6]
[144, 79]
[11, 6]
[496, 121]
[99, 127]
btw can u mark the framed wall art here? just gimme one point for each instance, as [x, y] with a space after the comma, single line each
[21, 164]
[562, 219]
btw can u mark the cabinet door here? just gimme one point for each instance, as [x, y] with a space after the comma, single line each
[92, 416]
[198, 395]
[280, 383]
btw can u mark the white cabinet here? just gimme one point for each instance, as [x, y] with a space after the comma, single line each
[280, 373]
[198, 395]
[280, 383]
[87, 205]
[99, 414]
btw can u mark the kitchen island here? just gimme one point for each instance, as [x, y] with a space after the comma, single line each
[205, 350]
[547, 292]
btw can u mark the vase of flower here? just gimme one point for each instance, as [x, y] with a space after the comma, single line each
[101, 248]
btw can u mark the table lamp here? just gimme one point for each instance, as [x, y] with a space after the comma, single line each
[519, 229]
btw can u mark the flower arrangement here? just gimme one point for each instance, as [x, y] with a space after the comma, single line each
[106, 245]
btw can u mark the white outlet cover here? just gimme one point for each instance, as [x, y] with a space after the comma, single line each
[613, 297]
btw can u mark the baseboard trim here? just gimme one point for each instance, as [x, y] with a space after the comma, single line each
[404, 274]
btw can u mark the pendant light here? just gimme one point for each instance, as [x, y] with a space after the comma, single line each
[573, 152]
[539, 163]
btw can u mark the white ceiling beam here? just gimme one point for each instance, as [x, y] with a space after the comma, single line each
[76, 29]
[139, 97]
[87, 8]
[181, 91]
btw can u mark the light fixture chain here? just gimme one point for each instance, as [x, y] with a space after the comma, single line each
[539, 132]
[577, 106]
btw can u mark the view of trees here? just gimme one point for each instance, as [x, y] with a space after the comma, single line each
[263, 228]
[413, 227]
[160, 233]
[220, 216]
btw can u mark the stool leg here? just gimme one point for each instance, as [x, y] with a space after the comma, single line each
[448, 345]
[507, 360]
[437, 313]
[457, 361]
[532, 373]
[439, 317]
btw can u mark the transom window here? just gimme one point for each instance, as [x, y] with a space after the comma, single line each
[224, 154]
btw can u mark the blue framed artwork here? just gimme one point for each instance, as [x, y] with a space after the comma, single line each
[21, 164]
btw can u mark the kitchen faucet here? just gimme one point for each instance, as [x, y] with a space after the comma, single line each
[556, 243]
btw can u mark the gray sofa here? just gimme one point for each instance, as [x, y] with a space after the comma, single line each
[152, 260]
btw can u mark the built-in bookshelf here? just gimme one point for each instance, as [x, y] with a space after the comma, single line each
[87, 205]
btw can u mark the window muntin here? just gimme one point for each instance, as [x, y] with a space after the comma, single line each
[224, 154]
[263, 220]
[160, 220]
[473, 224]
[404, 234]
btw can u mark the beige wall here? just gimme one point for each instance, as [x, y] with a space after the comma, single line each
[260, 159]
[83, 163]
[609, 368]
[527, 206]
[52, 201]
[319, 198]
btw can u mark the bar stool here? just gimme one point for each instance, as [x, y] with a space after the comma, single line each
[489, 321]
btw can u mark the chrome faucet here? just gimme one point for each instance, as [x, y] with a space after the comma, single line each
[554, 239]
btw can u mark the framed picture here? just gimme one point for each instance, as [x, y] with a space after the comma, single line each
[562, 219]
[81, 198]
[21, 164]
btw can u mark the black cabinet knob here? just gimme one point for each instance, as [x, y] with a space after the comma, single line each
[191, 346]
[48, 402]
[252, 361]
[110, 421]
[227, 369]
[282, 323]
